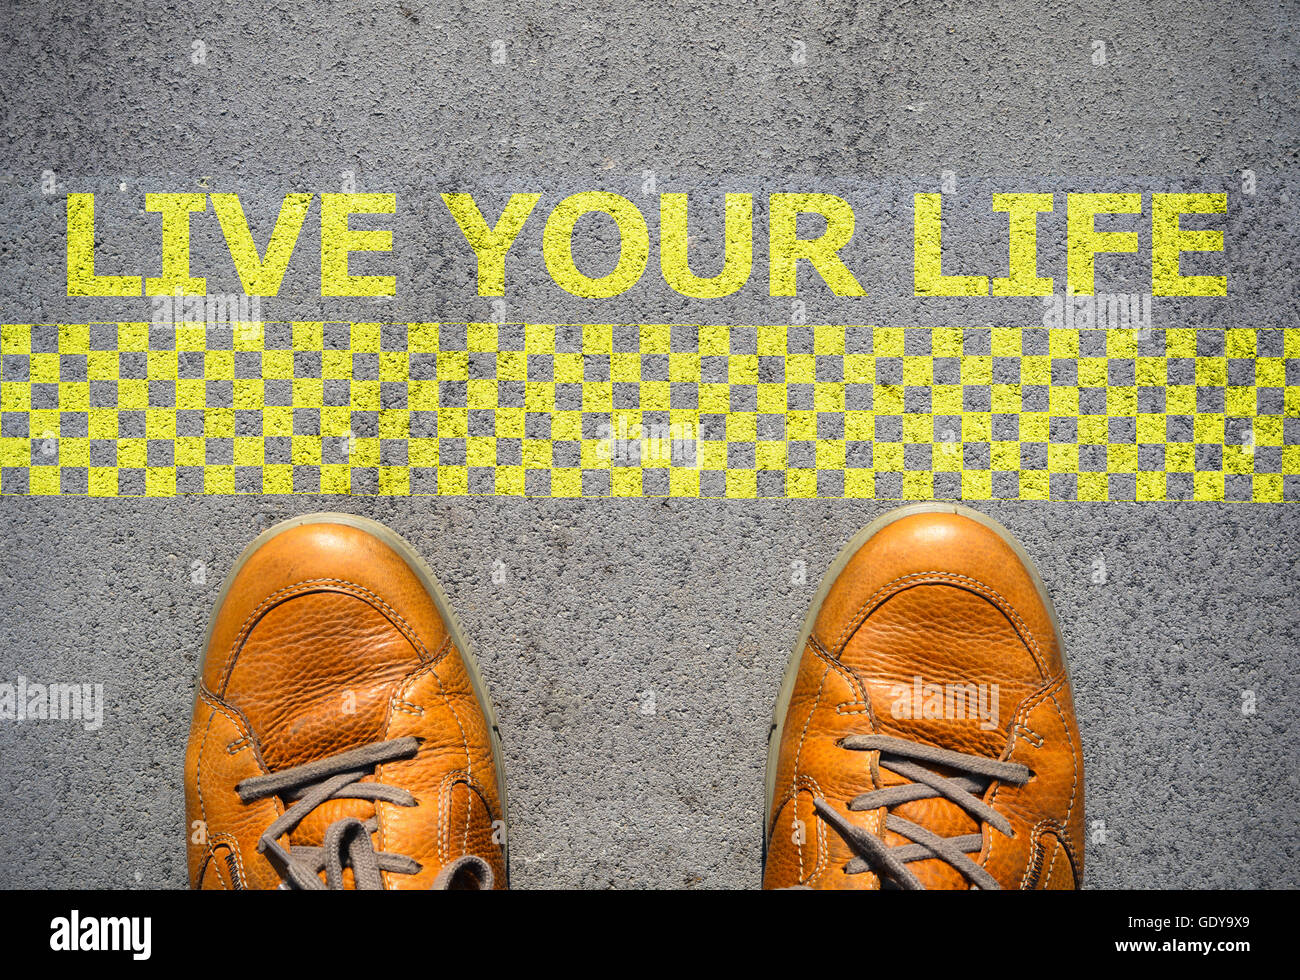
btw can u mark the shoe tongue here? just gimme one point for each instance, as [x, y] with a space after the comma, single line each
[941, 666]
[938, 816]
[311, 832]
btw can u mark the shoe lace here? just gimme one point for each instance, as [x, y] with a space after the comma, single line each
[347, 841]
[912, 760]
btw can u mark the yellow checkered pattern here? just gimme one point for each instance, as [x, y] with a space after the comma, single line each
[107, 409]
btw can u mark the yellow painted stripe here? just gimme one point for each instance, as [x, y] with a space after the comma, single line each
[650, 410]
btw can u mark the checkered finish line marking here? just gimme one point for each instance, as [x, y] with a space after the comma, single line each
[649, 410]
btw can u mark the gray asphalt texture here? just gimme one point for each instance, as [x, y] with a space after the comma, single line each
[611, 606]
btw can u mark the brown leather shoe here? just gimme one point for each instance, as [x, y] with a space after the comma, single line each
[341, 736]
[925, 734]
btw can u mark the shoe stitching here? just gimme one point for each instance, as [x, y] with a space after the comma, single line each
[953, 578]
[798, 754]
[814, 787]
[1031, 736]
[856, 685]
[444, 812]
[1074, 757]
[1051, 868]
[233, 844]
[1065, 843]
[803, 734]
[238, 719]
[314, 585]
[1072, 853]
[198, 776]
[464, 739]
[210, 862]
[215, 707]
[445, 793]
[440, 654]
[1034, 866]
[1022, 715]
[403, 688]
[430, 668]
[850, 676]
[844, 708]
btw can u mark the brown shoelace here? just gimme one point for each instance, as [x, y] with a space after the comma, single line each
[909, 760]
[347, 842]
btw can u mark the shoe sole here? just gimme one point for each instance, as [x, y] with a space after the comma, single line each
[421, 568]
[824, 587]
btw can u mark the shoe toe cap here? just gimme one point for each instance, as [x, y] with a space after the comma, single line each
[939, 548]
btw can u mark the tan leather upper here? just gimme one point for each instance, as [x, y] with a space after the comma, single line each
[944, 599]
[325, 641]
